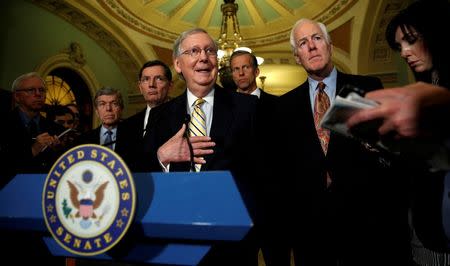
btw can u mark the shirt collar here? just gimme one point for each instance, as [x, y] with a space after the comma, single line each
[25, 119]
[103, 130]
[209, 98]
[256, 92]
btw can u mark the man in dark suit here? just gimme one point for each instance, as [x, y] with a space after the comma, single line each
[31, 139]
[108, 105]
[245, 70]
[228, 123]
[339, 204]
[155, 82]
[29, 144]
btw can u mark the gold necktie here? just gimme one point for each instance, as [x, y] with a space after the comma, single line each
[197, 125]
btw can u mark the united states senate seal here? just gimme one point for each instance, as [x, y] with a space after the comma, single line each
[88, 200]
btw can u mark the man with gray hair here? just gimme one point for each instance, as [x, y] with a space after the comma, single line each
[108, 105]
[221, 130]
[29, 144]
[331, 208]
[31, 138]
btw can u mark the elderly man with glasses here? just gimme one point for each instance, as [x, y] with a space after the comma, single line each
[221, 130]
[29, 144]
[31, 139]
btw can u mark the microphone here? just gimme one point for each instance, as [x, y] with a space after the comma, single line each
[187, 119]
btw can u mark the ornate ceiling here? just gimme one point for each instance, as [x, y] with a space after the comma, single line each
[134, 31]
[262, 22]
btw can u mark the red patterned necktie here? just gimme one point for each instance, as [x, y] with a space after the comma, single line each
[321, 105]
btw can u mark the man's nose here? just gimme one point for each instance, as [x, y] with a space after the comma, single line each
[311, 45]
[152, 82]
[203, 55]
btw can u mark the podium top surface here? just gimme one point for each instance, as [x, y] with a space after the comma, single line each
[204, 205]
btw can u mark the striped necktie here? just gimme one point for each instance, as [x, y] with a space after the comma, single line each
[197, 125]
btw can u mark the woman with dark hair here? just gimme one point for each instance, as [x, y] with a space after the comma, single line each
[414, 33]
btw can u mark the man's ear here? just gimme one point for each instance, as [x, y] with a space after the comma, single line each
[297, 59]
[16, 97]
[176, 65]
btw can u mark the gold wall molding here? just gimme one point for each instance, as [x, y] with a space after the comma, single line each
[93, 29]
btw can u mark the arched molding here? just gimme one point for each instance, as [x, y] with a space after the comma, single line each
[64, 60]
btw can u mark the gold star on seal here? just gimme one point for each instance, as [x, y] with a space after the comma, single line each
[119, 223]
[50, 208]
[124, 212]
[52, 218]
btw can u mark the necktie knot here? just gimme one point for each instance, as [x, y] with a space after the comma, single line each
[321, 86]
[199, 102]
[322, 102]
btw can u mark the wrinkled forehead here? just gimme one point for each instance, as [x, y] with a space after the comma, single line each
[107, 98]
[306, 30]
[32, 82]
[200, 39]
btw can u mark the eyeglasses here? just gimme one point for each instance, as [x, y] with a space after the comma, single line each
[196, 52]
[31, 91]
[157, 79]
[103, 105]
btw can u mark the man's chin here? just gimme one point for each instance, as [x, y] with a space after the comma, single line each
[38, 107]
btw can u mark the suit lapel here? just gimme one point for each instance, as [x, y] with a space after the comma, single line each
[179, 112]
[309, 116]
[335, 137]
[223, 114]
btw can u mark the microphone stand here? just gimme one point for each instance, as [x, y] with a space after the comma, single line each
[187, 119]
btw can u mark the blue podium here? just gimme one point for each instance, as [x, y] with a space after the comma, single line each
[184, 212]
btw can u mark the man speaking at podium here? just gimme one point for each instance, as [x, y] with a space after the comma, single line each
[221, 130]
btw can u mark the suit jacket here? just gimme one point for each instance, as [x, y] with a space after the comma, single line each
[17, 145]
[346, 221]
[232, 130]
[266, 106]
[267, 98]
[93, 137]
[140, 147]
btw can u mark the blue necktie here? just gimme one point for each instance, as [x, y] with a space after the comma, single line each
[108, 140]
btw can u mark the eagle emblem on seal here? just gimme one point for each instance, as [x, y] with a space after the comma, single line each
[86, 198]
